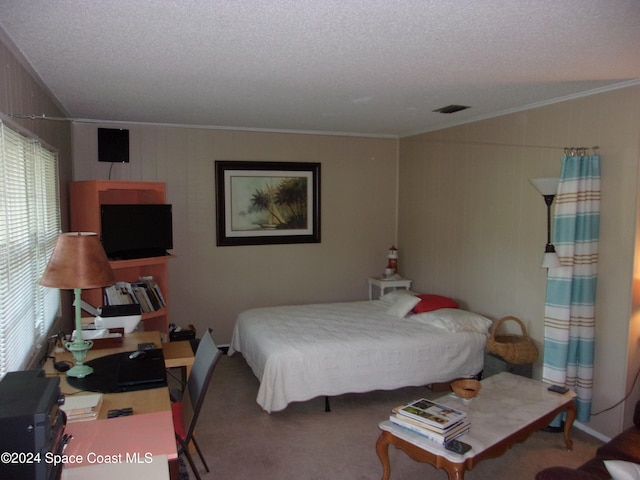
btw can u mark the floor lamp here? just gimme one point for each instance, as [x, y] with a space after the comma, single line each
[78, 261]
[548, 187]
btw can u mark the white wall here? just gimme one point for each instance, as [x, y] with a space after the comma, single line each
[210, 285]
[471, 226]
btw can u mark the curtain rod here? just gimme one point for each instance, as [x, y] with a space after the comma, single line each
[581, 150]
[38, 117]
[11, 123]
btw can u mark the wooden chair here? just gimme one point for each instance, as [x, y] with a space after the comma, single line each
[186, 411]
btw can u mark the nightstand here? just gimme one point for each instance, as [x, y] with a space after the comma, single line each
[384, 283]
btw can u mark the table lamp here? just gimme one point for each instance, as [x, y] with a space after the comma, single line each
[78, 261]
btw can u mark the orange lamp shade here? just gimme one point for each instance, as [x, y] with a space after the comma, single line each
[78, 261]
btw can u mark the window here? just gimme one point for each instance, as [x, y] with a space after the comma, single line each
[29, 227]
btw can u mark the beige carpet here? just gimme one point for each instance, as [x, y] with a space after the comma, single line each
[241, 441]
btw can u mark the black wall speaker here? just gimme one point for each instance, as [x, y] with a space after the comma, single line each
[113, 145]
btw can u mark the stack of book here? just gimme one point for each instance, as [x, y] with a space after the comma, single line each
[145, 293]
[81, 408]
[434, 421]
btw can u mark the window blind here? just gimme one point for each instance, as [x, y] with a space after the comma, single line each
[29, 227]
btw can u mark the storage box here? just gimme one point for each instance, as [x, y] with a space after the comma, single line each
[184, 334]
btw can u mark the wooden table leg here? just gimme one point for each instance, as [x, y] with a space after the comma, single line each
[455, 471]
[174, 469]
[382, 449]
[568, 423]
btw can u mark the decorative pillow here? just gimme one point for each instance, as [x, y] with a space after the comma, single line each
[620, 470]
[391, 297]
[403, 305]
[455, 320]
[433, 302]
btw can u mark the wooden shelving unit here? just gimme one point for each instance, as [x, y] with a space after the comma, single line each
[85, 200]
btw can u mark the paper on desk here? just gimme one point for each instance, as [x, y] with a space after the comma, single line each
[94, 334]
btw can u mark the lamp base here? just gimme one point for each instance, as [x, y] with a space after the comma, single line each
[79, 349]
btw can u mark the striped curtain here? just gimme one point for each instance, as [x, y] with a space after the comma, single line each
[571, 288]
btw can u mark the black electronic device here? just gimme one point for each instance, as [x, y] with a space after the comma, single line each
[142, 369]
[32, 425]
[558, 389]
[113, 145]
[137, 355]
[457, 446]
[107, 311]
[120, 412]
[136, 230]
[62, 365]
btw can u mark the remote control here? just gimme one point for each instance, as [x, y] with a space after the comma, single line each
[146, 346]
[122, 412]
[558, 389]
[457, 446]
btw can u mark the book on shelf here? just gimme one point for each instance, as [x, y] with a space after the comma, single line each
[119, 294]
[441, 438]
[145, 292]
[81, 408]
[151, 296]
[143, 298]
[432, 413]
[153, 286]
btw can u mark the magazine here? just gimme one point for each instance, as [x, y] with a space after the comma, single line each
[460, 429]
[438, 415]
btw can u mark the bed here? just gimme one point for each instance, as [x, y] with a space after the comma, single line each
[299, 352]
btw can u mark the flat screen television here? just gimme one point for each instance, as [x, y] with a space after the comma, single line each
[136, 230]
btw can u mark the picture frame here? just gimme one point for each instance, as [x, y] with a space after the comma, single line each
[262, 203]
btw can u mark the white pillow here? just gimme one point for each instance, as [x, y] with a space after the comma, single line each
[391, 297]
[455, 320]
[403, 305]
[620, 470]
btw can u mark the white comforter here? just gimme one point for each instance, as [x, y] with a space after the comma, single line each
[302, 352]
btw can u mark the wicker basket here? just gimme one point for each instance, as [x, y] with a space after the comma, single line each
[466, 388]
[516, 349]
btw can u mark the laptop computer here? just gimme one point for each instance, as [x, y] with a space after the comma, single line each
[147, 371]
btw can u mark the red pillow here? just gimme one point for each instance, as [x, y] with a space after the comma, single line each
[433, 302]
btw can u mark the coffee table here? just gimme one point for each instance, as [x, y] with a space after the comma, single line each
[508, 409]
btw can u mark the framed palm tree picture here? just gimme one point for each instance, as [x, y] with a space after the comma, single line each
[267, 202]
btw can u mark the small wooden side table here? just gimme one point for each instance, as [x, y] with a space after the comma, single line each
[179, 354]
[385, 283]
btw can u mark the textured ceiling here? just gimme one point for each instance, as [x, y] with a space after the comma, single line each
[373, 67]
